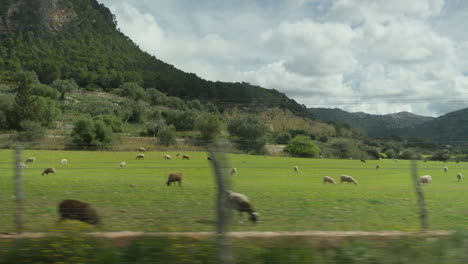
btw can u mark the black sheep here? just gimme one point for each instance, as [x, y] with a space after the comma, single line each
[77, 210]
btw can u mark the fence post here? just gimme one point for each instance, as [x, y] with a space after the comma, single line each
[219, 162]
[19, 190]
[420, 194]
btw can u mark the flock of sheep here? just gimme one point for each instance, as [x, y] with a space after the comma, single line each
[77, 210]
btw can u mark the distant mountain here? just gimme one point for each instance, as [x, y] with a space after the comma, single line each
[79, 39]
[449, 128]
[375, 125]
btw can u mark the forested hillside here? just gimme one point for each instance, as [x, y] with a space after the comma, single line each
[79, 39]
[379, 126]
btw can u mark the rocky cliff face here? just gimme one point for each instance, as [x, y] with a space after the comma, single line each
[49, 15]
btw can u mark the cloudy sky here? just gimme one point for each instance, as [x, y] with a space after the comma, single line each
[375, 56]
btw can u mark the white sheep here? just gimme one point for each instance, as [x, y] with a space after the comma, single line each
[241, 203]
[64, 161]
[234, 171]
[167, 157]
[377, 166]
[21, 165]
[296, 169]
[328, 179]
[459, 176]
[30, 160]
[140, 156]
[142, 149]
[445, 169]
[123, 164]
[425, 179]
[348, 179]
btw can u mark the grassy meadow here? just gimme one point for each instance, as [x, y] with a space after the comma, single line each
[286, 201]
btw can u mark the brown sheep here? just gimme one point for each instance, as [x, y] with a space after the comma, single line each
[48, 170]
[140, 156]
[185, 157]
[174, 177]
[76, 210]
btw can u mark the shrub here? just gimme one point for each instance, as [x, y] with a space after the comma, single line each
[112, 121]
[345, 149]
[167, 135]
[131, 90]
[44, 91]
[302, 146]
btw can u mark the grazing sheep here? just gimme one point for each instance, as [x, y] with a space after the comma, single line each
[363, 161]
[242, 204]
[234, 171]
[209, 158]
[445, 169]
[48, 170]
[459, 176]
[425, 179]
[348, 179]
[30, 160]
[377, 166]
[142, 149]
[123, 164]
[328, 179]
[174, 177]
[76, 210]
[296, 169]
[167, 157]
[185, 157]
[140, 156]
[64, 161]
[21, 165]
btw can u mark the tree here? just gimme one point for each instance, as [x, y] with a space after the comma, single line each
[88, 134]
[195, 105]
[250, 130]
[390, 153]
[64, 86]
[153, 96]
[24, 107]
[410, 155]
[167, 135]
[83, 134]
[441, 155]
[302, 146]
[132, 90]
[209, 125]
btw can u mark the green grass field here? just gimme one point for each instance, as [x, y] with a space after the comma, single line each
[286, 201]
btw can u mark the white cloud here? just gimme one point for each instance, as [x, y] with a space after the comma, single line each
[377, 56]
